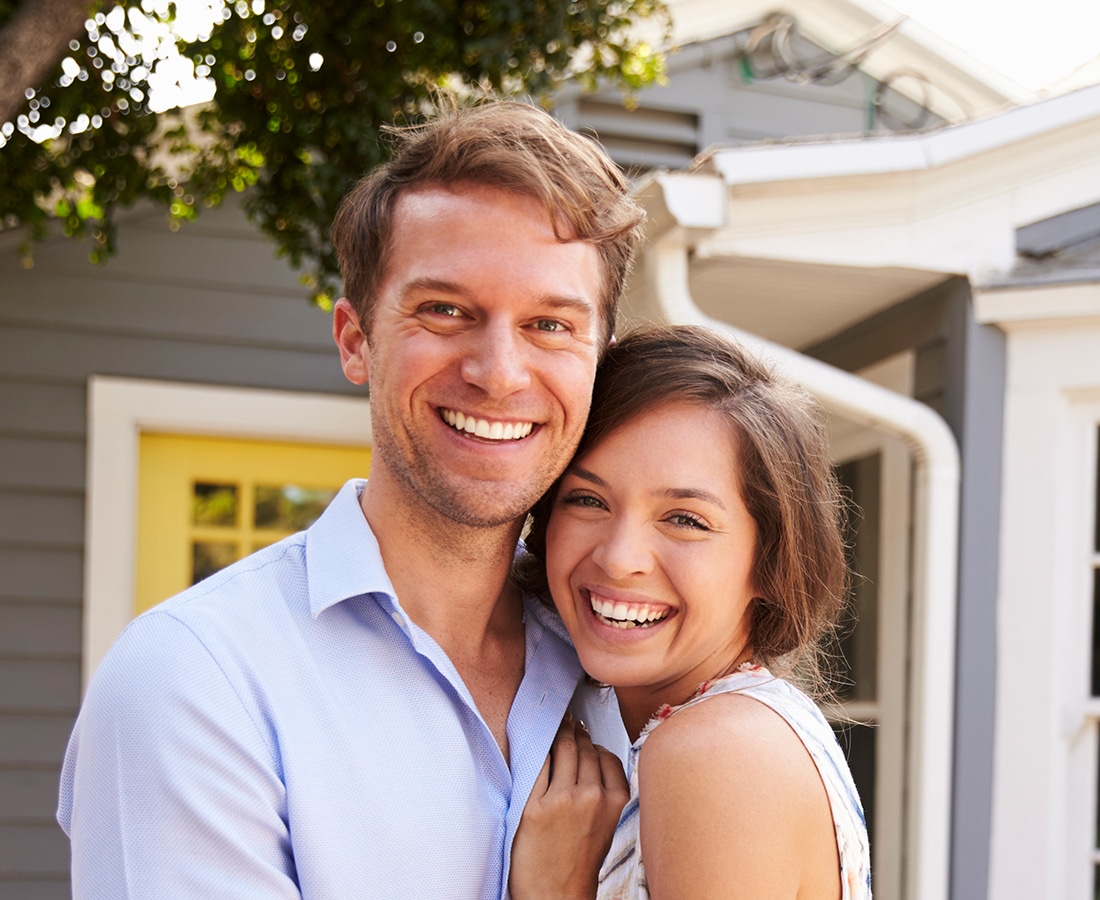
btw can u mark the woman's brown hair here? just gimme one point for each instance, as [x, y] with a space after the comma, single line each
[786, 479]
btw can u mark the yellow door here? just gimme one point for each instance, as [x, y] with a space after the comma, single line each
[205, 502]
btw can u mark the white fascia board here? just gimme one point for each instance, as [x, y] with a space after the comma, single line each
[1017, 306]
[769, 163]
[759, 163]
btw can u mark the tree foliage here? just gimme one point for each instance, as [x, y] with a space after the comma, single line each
[302, 90]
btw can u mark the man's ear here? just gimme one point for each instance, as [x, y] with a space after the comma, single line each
[352, 342]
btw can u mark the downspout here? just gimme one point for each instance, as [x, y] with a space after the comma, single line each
[694, 205]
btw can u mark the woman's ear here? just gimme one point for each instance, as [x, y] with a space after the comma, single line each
[352, 342]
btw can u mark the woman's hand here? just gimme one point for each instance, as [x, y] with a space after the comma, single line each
[569, 819]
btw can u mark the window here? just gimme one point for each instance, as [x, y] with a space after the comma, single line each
[1081, 731]
[205, 502]
[120, 411]
[1093, 582]
[876, 470]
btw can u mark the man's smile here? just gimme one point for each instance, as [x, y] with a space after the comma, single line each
[482, 428]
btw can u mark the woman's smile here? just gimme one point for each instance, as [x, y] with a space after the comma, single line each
[650, 553]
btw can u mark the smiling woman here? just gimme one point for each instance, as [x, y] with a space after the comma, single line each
[693, 542]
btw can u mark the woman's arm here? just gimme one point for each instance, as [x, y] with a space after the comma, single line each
[732, 806]
[569, 819]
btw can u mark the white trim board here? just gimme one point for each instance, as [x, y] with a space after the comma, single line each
[119, 410]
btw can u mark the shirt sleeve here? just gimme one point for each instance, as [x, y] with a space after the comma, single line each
[171, 785]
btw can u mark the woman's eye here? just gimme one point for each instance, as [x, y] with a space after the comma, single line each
[585, 501]
[685, 520]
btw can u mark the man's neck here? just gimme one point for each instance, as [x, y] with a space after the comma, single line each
[447, 576]
[452, 581]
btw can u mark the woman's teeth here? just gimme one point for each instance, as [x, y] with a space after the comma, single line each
[492, 431]
[627, 615]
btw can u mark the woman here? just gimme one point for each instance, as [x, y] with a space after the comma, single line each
[693, 550]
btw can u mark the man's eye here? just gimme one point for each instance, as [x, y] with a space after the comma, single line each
[444, 309]
[549, 325]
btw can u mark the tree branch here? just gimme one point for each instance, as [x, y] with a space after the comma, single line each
[31, 44]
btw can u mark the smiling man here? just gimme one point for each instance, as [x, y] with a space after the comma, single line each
[362, 709]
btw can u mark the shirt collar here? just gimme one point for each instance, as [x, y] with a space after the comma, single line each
[342, 555]
[546, 617]
[343, 560]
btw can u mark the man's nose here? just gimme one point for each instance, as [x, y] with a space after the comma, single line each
[497, 362]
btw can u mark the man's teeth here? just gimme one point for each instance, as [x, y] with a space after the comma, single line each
[627, 615]
[493, 431]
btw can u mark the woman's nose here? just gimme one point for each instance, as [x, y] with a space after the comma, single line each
[624, 550]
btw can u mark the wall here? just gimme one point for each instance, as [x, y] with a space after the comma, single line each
[208, 304]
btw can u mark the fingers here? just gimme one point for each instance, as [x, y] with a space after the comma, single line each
[612, 775]
[563, 753]
[588, 759]
[542, 782]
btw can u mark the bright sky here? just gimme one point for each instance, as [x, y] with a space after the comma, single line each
[1033, 42]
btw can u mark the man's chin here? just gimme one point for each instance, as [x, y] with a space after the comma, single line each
[485, 506]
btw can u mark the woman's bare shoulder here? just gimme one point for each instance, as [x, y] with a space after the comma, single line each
[730, 796]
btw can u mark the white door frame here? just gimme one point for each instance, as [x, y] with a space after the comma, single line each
[119, 410]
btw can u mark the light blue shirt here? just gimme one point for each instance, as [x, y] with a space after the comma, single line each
[283, 729]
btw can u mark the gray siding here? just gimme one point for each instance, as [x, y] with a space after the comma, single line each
[208, 304]
[709, 100]
[960, 372]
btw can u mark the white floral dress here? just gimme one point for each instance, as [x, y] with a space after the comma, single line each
[623, 874]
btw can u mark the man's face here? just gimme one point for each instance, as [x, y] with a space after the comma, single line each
[482, 351]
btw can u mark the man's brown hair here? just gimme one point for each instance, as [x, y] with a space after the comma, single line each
[503, 144]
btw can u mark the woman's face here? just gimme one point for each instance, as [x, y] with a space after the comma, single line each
[650, 554]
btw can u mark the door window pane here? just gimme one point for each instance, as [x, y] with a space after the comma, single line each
[860, 746]
[1096, 518]
[214, 504]
[289, 507]
[858, 641]
[1096, 632]
[207, 557]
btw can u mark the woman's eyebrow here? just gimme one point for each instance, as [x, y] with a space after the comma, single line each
[672, 493]
[586, 475]
[694, 494]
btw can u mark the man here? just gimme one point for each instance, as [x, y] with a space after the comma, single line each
[362, 709]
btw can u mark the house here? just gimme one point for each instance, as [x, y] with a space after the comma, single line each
[183, 404]
[961, 268]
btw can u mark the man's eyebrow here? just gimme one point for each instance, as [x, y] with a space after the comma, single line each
[580, 304]
[437, 285]
[441, 286]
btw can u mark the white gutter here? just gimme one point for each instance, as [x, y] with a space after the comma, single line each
[695, 205]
